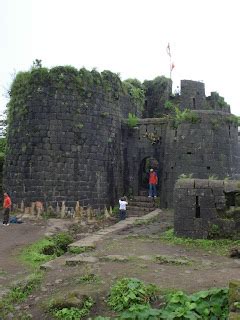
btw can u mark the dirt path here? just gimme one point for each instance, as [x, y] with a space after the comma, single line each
[15, 237]
[12, 239]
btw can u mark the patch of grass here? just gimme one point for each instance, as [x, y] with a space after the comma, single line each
[78, 250]
[19, 293]
[88, 278]
[219, 246]
[45, 249]
[33, 256]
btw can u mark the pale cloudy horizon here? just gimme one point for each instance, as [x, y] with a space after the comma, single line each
[126, 37]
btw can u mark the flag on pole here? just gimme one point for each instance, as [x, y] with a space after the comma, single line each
[168, 50]
[172, 66]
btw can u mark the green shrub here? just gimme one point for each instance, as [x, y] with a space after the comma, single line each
[214, 231]
[62, 240]
[141, 312]
[129, 291]
[132, 120]
[169, 105]
[136, 91]
[204, 305]
[184, 116]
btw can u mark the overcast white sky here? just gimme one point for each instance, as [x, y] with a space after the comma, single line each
[126, 36]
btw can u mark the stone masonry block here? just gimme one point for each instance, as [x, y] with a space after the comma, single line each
[201, 183]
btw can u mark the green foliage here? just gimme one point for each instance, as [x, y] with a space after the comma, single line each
[214, 231]
[35, 82]
[237, 305]
[88, 278]
[219, 246]
[136, 90]
[156, 85]
[132, 120]
[129, 291]
[169, 105]
[74, 313]
[232, 119]
[78, 250]
[21, 291]
[33, 255]
[46, 249]
[62, 240]
[115, 210]
[204, 305]
[184, 116]
[132, 298]
[141, 312]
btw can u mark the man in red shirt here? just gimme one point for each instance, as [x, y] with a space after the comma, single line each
[6, 206]
[153, 180]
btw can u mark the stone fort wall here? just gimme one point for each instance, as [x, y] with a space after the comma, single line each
[68, 139]
[66, 144]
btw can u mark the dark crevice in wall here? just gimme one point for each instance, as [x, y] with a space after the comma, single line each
[198, 212]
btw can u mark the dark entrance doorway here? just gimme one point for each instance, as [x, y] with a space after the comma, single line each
[145, 166]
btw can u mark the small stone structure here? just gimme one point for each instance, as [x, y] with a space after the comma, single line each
[206, 208]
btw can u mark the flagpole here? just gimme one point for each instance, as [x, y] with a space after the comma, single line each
[170, 60]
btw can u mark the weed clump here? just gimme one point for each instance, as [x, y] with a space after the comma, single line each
[71, 307]
[129, 291]
[18, 293]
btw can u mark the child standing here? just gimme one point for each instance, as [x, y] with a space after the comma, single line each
[123, 208]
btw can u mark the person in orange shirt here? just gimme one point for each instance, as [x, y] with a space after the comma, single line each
[6, 207]
[153, 180]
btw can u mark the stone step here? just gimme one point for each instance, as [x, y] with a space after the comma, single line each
[142, 204]
[143, 193]
[80, 259]
[138, 208]
[142, 199]
[136, 213]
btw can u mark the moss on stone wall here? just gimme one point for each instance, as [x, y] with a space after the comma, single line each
[31, 84]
